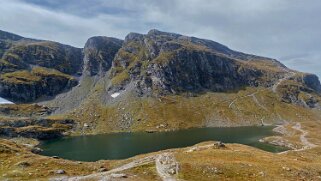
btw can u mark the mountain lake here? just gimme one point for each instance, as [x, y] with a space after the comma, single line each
[125, 145]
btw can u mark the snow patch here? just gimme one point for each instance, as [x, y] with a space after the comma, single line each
[4, 101]
[114, 95]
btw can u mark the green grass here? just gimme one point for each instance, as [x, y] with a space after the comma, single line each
[20, 77]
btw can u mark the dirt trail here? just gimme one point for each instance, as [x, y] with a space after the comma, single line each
[166, 167]
[305, 142]
[111, 173]
[248, 95]
[258, 102]
[288, 76]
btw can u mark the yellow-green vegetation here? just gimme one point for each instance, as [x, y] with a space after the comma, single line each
[265, 65]
[18, 163]
[195, 47]
[238, 162]
[120, 73]
[249, 106]
[46, 72]
[7, 63]
[20, 77]
[33, 76]
[120, 78]
[23, 110]
[164, 57]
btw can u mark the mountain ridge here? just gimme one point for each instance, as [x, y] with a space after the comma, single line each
[115, 83]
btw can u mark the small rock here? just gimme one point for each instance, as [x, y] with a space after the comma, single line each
[60, 172]
[118, 175]
[36, 150]
[86, 125]
[55, 157]
[286, 168]
[102, 170]
[219, 145]
[23, 164]
[172, 171]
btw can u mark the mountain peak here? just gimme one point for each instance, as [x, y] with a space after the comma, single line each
[156, 32]
[99, 52]
[9, 36]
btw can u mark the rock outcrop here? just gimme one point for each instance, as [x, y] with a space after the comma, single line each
[42, 128]
[99, 53]
[30, 69]
[25, 86]
[170, 63]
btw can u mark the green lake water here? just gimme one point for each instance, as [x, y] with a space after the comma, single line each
[125, 145]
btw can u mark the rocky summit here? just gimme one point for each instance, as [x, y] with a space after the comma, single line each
[154, 82]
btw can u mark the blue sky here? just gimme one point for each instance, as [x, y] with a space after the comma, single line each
[288, 30]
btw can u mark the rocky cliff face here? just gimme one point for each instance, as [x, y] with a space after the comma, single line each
[30, 69]
[47, 54]
[99, 53]
[25, 86]
[24, 52]
[169, 63]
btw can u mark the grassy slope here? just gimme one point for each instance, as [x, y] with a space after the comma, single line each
[249, 106]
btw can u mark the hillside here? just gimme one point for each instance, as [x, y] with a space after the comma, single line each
[163, 81]
[156, 81]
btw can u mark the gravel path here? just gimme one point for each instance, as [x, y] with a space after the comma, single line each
[166, 167]
[111, 174]
[305, 142]
[288, 76]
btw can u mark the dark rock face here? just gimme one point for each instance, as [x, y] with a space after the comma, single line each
[312, 81]
[196, 71]
[31, 132]
[9, 36]
[171, 63]
[47, 54]
[30, 92]
[21, 89]
[302, 89]
[18, 58]
[99, 53]
[42, 129]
